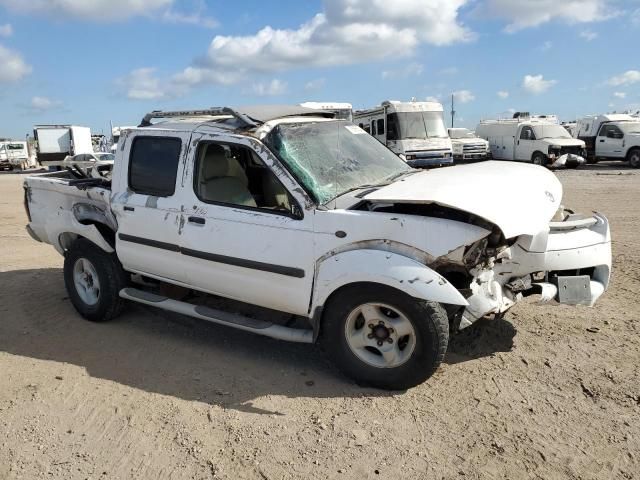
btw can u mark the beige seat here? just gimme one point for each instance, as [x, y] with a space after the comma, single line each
[275, 195]
[222, 179]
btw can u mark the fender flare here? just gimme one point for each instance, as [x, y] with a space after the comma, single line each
[385, 268]
[64, 228]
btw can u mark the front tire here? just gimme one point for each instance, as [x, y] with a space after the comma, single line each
[384, 338]
[539, 159]
[634, 158]
[93, 279]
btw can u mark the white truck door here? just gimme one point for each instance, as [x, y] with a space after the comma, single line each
[147, 204]
[610, 141]
[247, 234]
[525, 144]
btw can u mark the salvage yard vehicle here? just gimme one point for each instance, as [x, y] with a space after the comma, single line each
[467, 146]
[611, 137]
[341, 110]
[55, 142]
[414, 130]
[286, 209]
[14, 155]
[539, 140]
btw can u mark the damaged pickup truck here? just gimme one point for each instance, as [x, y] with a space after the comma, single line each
[288, 209]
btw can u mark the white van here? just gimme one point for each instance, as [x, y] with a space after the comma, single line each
[415, 130]
[343, 111]
[531, 139]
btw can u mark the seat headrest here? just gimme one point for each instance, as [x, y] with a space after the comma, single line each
[215, 163]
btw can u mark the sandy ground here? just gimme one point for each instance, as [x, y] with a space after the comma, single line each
[548, 392]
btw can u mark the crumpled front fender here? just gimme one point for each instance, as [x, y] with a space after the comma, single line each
[385, 268]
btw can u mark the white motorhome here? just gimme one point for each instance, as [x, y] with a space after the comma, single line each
[55, 142]
[343, 111]
[611, 137]
[415, 130]
[467, 146]
[531, 139]
[14, 155]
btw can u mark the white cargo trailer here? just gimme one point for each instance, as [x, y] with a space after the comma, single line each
[55, 142]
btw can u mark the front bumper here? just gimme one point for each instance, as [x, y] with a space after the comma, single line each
[568, 263]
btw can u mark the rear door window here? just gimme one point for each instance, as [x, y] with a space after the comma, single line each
[153, 165]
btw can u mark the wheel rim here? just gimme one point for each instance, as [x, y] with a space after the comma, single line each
[634, 159]
[380, 335]
[85, 279]
[537, 160]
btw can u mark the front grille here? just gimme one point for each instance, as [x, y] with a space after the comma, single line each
[574, 150]
[474, 149]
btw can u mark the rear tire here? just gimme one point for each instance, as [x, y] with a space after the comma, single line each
[384, 338]
[93, 279]
[634, 158]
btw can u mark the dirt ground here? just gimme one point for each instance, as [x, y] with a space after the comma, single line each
[548, 392]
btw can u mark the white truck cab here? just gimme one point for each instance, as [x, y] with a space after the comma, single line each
[611, 137]
[415, 130]
[298, 214]
[467, 146]
[14, 154]
[538, 140]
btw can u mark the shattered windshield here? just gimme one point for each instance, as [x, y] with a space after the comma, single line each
[331, 158]
[419, 125]
[551, 131]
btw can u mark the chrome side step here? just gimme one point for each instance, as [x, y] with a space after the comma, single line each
[220, 317]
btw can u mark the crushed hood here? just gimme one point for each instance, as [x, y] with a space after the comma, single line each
[564, 142]
[520, 199]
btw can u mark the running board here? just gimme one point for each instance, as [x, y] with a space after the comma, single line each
[220, 317]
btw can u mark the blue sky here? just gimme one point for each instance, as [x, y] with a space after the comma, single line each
[89, 62]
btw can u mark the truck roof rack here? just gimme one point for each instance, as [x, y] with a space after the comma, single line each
[213, 112]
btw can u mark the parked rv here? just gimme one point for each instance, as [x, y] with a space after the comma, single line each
[55, 142]
[467, 146]
[414, 130]
[343, 111]
[611, 137]
[539, 140]
[14, 155]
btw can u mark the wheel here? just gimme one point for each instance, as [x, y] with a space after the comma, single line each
[539, 159]
[634, 158]
[93, 279]
[384, 338]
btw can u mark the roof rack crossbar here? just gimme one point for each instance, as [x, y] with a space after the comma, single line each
[214, 111]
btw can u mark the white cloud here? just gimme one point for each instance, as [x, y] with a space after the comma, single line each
[619, 94]
[546, 45]
[410, 70]
[6, 30]
[315, 84]
[537, 84]
[503, 94]
[274, 88]
[463, 96]
[345, 33]
[433, 99]
[42, 104]
[521, 14]
[635, 17]
[588, 35]
[627, 78]
[196, 16]
[142, 84]
[100, 10]
[14, 68]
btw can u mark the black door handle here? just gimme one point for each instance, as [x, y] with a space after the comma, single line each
[198, 220]
[602, 141]
[128, 209]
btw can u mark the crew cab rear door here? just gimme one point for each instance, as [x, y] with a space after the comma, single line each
[247, 233]
[147, 203]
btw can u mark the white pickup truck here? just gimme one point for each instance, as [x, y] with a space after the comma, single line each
[287, 209]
